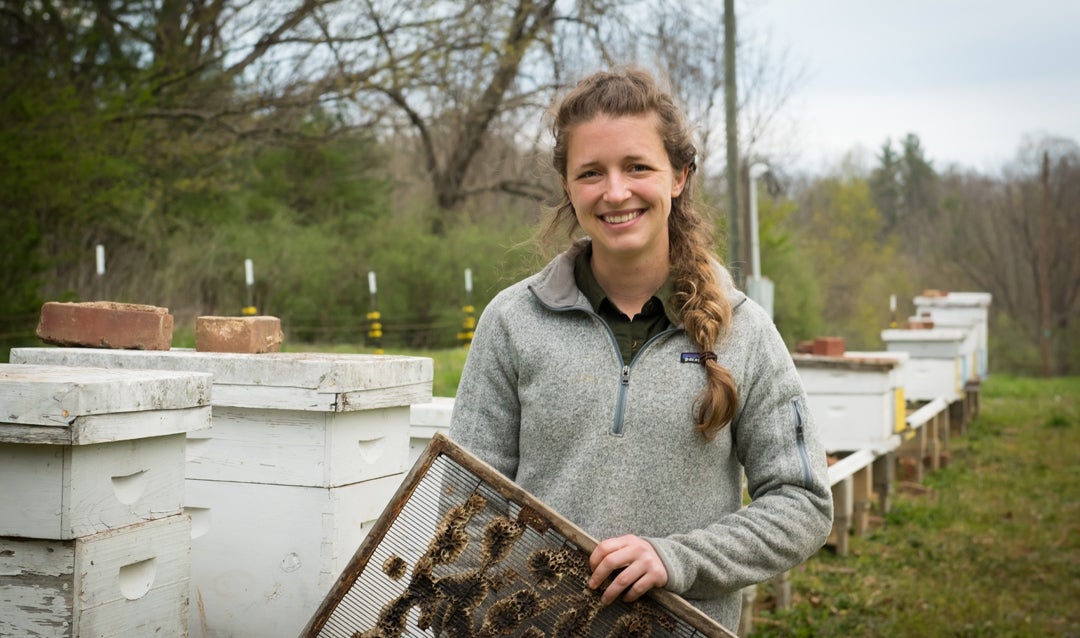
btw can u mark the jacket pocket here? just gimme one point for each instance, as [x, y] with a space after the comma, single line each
[800, 440]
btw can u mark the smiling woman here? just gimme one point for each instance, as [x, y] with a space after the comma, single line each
[621, 183]
[608, 384]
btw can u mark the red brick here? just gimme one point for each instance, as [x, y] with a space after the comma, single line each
[106, 324]
[252, 335]
[829, 346]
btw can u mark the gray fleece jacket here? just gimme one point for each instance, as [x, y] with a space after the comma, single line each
[547, 400]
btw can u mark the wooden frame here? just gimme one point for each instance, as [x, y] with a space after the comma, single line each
[486, 545]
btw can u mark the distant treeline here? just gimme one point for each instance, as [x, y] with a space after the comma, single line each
[186, 137]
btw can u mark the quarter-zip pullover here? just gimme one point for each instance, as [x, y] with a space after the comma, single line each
[546, 398]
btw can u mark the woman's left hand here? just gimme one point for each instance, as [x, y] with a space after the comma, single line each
[641, 568]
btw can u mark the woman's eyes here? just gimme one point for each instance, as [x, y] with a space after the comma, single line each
[633, 168]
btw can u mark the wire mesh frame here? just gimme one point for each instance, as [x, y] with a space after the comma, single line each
[462, 551]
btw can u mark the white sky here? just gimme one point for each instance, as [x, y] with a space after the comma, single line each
[969, 77]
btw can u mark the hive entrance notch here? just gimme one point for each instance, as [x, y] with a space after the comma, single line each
[460, 551]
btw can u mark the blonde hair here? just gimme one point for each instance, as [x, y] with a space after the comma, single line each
[703, 307]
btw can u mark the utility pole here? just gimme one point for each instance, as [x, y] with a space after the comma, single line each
[1043, 261]
[731, 116]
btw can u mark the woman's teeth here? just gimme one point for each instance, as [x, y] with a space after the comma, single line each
[619, 219]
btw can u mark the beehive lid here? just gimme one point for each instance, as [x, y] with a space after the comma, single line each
[58, 396]
[933, 334]
[955, 299]
[278, 380]
[860, 362]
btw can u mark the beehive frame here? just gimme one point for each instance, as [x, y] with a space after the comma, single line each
[461, 551]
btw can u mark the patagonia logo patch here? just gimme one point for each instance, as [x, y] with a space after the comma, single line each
[697, 357]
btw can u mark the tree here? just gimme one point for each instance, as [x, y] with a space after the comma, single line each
[999, 230]
[886, 186]
[839, 228]
[905, 189]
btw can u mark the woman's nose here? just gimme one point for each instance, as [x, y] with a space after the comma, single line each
[616, 189]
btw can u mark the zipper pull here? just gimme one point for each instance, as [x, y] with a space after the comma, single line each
[798, 420]
[626, 375]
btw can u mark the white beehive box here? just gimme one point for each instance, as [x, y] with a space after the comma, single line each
[287, 418]
[962, 310]
[128, 581]
[292, 447]
[936, 364]
[84, 450]
[304, 450]
[318, 382]
[264, 556]
[425, 420]
[857, 401]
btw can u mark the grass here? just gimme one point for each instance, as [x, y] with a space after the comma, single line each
[989, 546]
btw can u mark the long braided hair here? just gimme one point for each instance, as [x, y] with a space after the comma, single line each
[703, 308]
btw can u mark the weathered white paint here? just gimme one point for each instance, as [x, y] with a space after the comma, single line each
[103, 428]
[129, 581]
[264, 556]
[278, 380]
[68, 491]
[56, 396]
[293, 447]
[265, 551]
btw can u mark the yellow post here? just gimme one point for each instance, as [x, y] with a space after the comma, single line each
[468, 325]
[375, 330]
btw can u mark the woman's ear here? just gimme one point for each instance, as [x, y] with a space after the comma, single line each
[679, 183]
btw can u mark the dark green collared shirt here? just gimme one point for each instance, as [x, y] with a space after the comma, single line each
[631, 333]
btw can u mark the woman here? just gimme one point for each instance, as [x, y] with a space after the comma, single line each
[628, 384]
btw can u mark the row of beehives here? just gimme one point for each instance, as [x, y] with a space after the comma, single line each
[176, 492]
[859, 399]
[279, 482]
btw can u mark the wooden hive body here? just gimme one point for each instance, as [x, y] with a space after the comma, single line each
[857, 399]
[462, 551]
[305, 451]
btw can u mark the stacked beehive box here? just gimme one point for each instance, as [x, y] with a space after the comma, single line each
[965, 310]
[93, 538]
[938, 361]
[857, 399]
[304, 453]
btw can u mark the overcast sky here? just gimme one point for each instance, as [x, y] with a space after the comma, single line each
[969, 77]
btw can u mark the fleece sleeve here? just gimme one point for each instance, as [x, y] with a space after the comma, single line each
[790, 511]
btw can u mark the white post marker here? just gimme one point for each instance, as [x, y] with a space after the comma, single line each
[756, 171]
[249, 279]
[100, 260]
[371, 282]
